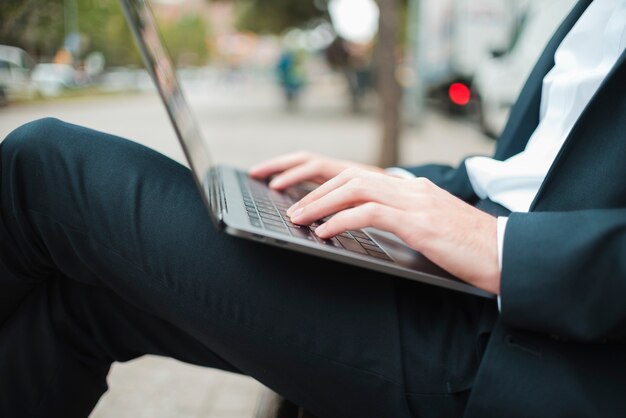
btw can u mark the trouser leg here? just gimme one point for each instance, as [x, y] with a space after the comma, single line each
[11, 295]
[56, 350]
[81, 207]
[12, 289]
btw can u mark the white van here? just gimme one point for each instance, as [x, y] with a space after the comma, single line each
[499, 80]
[455, 37]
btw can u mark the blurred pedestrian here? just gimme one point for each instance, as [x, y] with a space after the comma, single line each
[291, 74]
[352, 61]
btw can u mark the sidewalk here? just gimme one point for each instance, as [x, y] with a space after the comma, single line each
[246, 121]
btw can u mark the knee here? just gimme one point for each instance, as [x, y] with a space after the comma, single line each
[34, 136]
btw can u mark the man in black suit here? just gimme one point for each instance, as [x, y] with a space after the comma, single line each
[106, 254]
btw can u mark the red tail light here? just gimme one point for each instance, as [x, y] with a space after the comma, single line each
[459, 94]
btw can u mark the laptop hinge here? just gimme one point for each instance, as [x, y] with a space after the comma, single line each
[218, 189]
[215, 194]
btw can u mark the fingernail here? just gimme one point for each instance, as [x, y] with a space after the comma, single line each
[292, 208]
[320, 230]
[254, 168]
[274, 183]
[297, 213]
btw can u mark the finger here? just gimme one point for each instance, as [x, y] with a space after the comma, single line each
[326, 188]
[278, 164]
[295, 175]
[341, 198]
[390, 191]
[332, 203]
[371, 214]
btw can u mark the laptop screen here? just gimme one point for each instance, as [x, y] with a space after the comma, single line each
[159, 64]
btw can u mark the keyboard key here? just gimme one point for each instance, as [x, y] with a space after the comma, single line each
[359, 234]
[295, 194]
[369, 247]
[333, 242]
[276, 228]
[275, 196]
[302, 233]
[268, 212]
[292, 225]
[256, 222]
[271, 215]
[382, 256]
[351, 245]
[365, 241]
[273, 222]
[274, 217]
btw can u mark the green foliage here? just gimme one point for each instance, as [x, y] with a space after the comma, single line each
[275, 16]
[38, 26]
[35, 25]
[104, 28]
[186, 40]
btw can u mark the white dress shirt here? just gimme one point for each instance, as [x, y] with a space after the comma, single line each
[582, 62]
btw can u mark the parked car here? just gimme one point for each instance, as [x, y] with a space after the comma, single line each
[15, 66]
[52, 79]
[499, 80]
[455, 36]
[119, 79]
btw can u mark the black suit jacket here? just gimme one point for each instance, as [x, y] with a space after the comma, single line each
[558, 348]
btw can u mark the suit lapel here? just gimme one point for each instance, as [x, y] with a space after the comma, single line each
[525, 113]
[599, 98]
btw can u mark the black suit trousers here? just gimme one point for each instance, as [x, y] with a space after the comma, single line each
[107, 253]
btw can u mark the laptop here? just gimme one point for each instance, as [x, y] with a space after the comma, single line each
[247, 208]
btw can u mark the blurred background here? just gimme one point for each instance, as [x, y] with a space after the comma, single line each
[378, 81]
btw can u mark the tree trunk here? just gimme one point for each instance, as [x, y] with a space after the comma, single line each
[389, 90]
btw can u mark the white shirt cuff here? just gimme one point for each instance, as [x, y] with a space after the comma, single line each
[400, 172]
[501, 228]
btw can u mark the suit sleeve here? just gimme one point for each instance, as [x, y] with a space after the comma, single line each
[564, 273]
[454, 180]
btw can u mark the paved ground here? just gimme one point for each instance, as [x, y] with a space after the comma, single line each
[245, 122]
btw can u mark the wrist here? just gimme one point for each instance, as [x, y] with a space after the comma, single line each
[487, 275]
[494, 270]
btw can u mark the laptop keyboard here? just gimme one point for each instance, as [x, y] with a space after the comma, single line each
[267, 209]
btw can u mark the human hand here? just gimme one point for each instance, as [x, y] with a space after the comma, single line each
[291, 169]
[453, 234]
